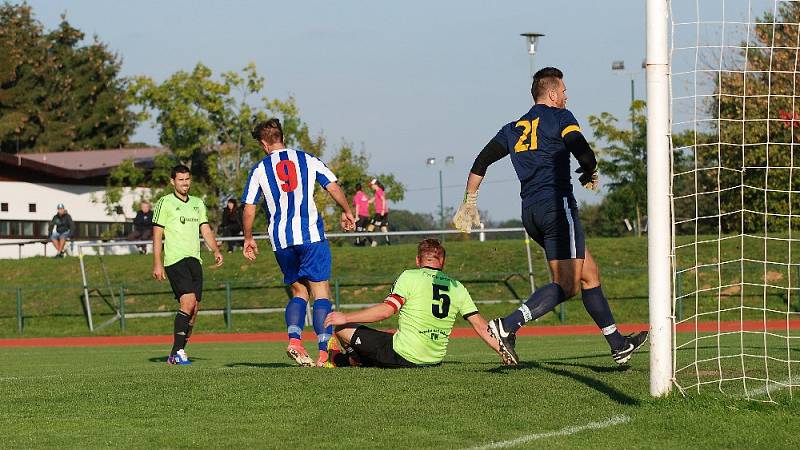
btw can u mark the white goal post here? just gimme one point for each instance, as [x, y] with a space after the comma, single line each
[659, 222]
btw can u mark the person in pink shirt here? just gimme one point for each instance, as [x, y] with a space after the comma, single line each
[361, 209]
[381, 217]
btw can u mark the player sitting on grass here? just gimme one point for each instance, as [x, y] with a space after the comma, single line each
[427, 301]
[285, 178]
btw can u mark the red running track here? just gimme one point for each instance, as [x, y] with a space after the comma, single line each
[549, 330]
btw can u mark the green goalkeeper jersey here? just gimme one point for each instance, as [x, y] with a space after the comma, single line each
[181, 223]
[428, 302]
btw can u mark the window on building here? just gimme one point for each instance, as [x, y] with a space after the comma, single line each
[4, 207]
[31, 207]
[27, 229]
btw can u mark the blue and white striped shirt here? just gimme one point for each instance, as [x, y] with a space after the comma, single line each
[285, 179]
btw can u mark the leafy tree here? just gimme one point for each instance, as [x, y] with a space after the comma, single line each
[740, 165]
[205, 122]
[55, 93]
[623, 166]
[351, 168]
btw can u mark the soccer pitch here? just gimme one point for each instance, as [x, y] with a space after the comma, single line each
[567, 394]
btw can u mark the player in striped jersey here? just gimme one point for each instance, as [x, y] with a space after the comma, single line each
[285, 180]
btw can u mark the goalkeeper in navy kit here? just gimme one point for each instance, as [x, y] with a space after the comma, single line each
[539, 144]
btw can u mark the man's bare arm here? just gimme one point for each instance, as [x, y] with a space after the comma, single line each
[374, 313]
[249, 248]
[158, 265]
[211, 242]
[480, 326]
[336, 193]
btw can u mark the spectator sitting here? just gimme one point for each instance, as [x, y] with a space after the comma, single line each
[142, 226]
[231, 223]
[64, 229]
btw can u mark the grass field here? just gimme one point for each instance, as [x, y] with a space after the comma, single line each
[569, 394]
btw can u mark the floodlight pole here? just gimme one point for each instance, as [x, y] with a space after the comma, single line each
[659, 210]
[432, 162]
[532, 41]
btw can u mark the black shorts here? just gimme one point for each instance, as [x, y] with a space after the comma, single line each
[380, 220]
[374, 349]
[186, 277]
[361, 223]
[555, 226]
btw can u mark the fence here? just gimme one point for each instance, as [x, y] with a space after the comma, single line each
[229, 298]
[100, 247]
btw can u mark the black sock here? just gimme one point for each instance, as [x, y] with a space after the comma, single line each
[188, 334]
[181, 328]
[539, 303]
[597, 306]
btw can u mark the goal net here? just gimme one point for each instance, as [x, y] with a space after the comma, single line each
[735, 121]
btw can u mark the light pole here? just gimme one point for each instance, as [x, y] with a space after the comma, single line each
[619, 66]
[532, 41]
[432, 162]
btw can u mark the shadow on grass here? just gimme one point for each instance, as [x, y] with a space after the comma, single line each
[593, 368]
[273, 365]
[163, 359]
[600, 386]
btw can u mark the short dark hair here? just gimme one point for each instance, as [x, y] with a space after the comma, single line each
[232, 200]
[544, 80]
[358, 186]
[180, 168]
[270, 131]
[430, 248]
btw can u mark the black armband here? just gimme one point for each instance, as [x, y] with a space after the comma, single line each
[577, 145]
[493, 152]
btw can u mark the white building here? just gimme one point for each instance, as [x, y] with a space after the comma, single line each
[32, 185]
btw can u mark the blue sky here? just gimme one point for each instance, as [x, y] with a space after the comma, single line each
[405, 80]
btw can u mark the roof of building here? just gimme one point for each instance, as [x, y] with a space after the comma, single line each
[81, 164]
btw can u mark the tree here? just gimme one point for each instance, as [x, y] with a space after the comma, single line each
[205, 122]
[741, 162]
[56, 94]
[352, 168]
[623, 166]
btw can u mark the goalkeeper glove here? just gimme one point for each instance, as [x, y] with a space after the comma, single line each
[467, 215]
[589, 180]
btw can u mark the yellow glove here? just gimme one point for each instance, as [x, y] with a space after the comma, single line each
[467, 215]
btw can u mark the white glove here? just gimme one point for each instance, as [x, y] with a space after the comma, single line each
[467, 215]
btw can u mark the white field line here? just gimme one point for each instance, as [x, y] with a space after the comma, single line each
[35, 377]
[775, 387]
[616, 420]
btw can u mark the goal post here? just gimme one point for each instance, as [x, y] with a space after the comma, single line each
[659, 217]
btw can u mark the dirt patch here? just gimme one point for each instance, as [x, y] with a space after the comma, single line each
[731, 290]
[773, 276]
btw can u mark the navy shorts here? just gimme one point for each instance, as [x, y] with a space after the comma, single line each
[554, 225]
[309, 261]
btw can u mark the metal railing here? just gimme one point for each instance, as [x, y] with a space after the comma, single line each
[83, 246]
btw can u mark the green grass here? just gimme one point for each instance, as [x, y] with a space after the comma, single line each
[248, 395]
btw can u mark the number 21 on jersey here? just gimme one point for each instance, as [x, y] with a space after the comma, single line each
[528, 131]
[287, 173]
